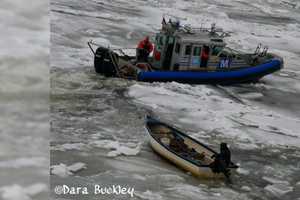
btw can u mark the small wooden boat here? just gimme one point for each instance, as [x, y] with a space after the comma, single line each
[192, 156]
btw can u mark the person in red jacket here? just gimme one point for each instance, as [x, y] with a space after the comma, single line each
[204, 56]
[144, 48]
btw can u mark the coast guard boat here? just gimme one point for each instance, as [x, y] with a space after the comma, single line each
[178, 56]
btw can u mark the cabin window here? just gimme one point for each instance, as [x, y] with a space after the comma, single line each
[223, 54]
[197, 51]
[216, 40]
[171, 40]
[177, 48]
[161, 40]
[188, 50]
[216, 50]
[157, 38]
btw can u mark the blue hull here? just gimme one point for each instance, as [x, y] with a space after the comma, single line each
[248, 74]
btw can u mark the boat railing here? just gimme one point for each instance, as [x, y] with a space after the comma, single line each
[122, 51]
[91, 43]
[213, 30]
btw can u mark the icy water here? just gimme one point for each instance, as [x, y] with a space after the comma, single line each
[97, 123]
[24, 100]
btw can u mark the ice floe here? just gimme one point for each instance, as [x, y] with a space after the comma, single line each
[63, 170]
[243, 171]
[246, 188]
[277, 187]
[187, 191]
[250, 125]
[68, 146]
[117, 148]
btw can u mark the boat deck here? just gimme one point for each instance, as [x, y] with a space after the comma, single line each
[183, 146]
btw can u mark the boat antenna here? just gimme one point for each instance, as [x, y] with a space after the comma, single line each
[202, 24]
[213, 28]
[265, 50]
[257, 50]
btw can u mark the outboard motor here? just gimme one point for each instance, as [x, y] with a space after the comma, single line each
[104, 63]
[222, 161]
[225, 153]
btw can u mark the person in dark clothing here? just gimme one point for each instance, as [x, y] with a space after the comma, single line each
[144, 48]
[177, 144]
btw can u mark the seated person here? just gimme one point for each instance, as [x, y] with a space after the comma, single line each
[178, 144]
[196, 155]
[200, 156]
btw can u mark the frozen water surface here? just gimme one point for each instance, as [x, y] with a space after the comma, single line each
[99, 121]
[24, 100]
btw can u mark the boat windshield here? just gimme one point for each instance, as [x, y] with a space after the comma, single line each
[233, 51]
[226, 51]
[216, 50]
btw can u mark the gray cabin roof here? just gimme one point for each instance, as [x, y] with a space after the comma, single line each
[200, 38]
[187, 34]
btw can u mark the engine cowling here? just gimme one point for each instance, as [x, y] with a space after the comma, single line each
[103, 62]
